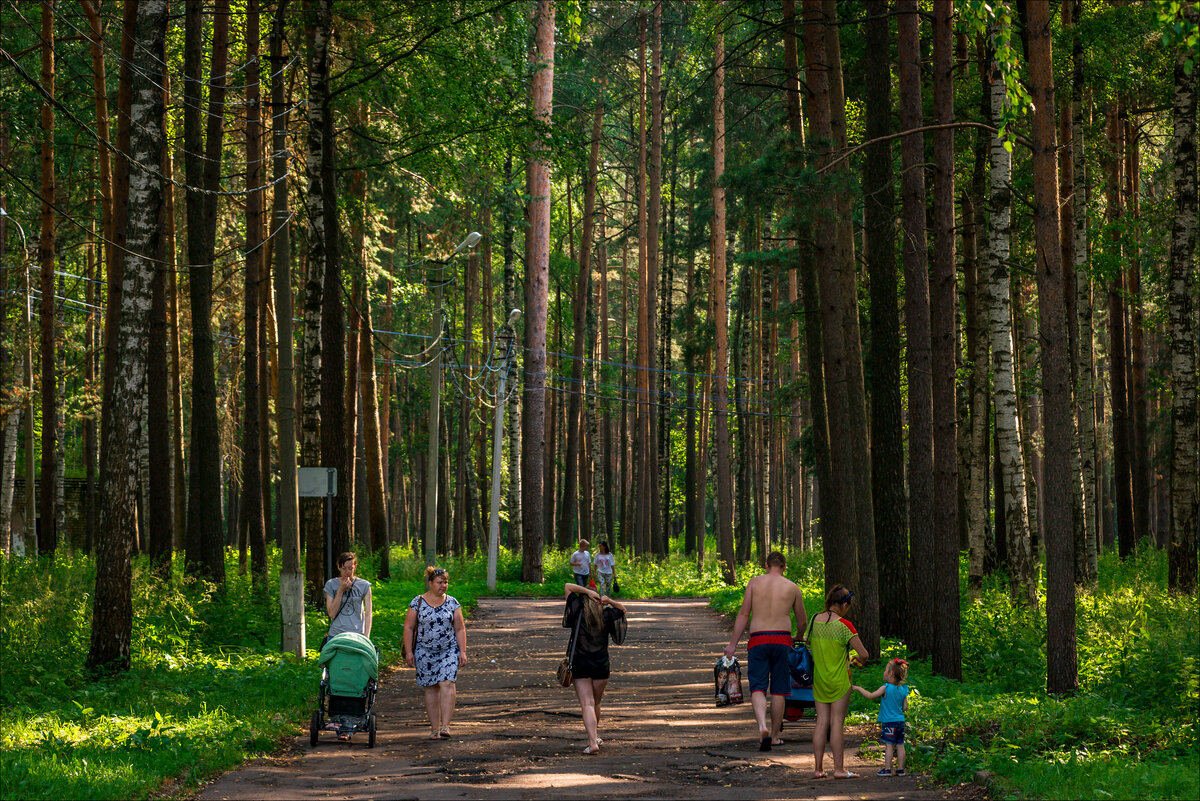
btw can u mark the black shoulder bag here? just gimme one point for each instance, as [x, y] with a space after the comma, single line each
[566, 668]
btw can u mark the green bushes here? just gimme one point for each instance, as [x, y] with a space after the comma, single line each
[206, 688]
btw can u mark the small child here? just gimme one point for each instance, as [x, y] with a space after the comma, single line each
[891, 714]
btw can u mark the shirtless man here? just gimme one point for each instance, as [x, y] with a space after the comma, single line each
[770, 600]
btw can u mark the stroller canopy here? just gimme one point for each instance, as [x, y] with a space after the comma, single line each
[351, 660]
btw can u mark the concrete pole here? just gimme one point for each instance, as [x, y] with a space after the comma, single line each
[435, 403]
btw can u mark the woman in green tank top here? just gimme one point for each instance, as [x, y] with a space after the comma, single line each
[831, 639]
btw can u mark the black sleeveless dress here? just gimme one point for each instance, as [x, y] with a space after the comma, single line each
[591, 651]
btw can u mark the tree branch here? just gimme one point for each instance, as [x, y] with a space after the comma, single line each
[847, 153]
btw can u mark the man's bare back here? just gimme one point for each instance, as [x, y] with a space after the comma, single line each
[772, 599]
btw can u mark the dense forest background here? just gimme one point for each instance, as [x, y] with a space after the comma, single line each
[902, 280]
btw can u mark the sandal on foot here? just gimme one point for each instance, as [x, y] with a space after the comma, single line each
[444, 734]
[435, 735]
[345, 738]
[592, 750]
[847, 775]
[818, 774]
[777, 741]
[764, 744]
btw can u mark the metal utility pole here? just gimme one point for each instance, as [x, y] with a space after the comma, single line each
[435, 409]
[437, 329]
[508, 333]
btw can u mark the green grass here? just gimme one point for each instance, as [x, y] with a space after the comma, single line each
[208, 689]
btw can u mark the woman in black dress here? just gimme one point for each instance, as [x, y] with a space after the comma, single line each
[593, 619]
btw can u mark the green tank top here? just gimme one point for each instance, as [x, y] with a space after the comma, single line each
[830, 643]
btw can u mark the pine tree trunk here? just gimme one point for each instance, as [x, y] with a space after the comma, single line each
[1119, 377]
[943, 305]
[159, 523]
[112, 610]
[693, 493]
[48, 533]
[537, 267]
[1062, 664]
[583, 291]
[721, 318]
[887, 437]
[1138, 401]
[115, 251]
[104, 174]
[802, 274]
[178, 466]
[318, 242]
[291, 577]
[654, 451]
[1181, 553]
[841, 546]
[338, 423]
[743, 484]
[865, 573]
[1084, 354]
[974, 465]
[372, 435]
[252, 507]
[643, 433]
[205, 540]
[608, 472]
[599, 513]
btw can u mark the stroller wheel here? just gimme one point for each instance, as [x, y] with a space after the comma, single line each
[314, 727]
[371, 732]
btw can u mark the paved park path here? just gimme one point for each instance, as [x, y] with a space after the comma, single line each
[518, 735]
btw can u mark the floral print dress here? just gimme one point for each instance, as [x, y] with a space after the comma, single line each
[435, 651]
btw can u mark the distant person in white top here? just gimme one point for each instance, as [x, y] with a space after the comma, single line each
[581, 563]
[604, 563]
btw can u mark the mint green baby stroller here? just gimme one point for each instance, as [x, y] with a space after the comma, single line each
[349, 679]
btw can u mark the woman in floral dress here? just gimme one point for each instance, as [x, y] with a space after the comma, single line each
[435, 643]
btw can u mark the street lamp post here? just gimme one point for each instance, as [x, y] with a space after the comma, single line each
[509, 333]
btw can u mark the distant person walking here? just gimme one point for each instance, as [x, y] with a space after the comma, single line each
[767, 607]
[581, 563]
[892, 706]
[604, 564]
[435, 643]
[593, 619]
[347, 600]
[831, 640]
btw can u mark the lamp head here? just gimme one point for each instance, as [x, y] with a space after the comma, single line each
[471, 241]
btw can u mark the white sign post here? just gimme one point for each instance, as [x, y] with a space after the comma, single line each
[320, 482]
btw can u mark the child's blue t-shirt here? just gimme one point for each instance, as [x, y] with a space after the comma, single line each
[891, 705]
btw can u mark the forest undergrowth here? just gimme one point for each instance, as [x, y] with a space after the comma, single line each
[208, 687]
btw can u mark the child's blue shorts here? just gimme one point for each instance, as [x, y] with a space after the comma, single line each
[892, 732]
